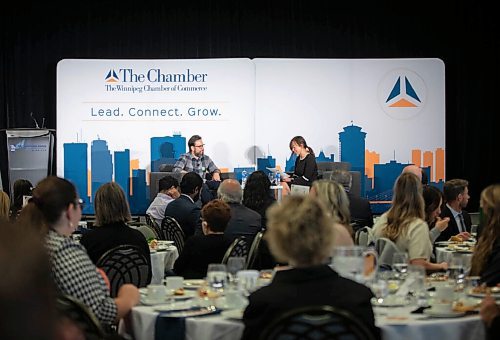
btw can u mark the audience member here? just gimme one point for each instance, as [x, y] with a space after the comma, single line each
[404, 223]
[111, 216]
[168, 190]
[21, 188]
[486, 258]
[456, 195]
[334, 198]
[27, 295]
[300, 232]
[433, 199]
[4, 205]
[201, 250]
[244, 221]
[305, 171]
[359, 207]
[184, 208]
[55, 210]
[257, 194]
[412, 168]
[196, 161]
[490, 314]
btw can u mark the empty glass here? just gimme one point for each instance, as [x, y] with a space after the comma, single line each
[400, 263]
[234, 265]
[217, 276]
[416, 284]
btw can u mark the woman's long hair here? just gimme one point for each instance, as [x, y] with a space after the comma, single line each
[302, 142]
[490, 204]
[407, 205]
[50, 198]
[432, 199]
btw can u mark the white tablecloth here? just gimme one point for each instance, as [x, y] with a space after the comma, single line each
[161, 261]
[395, 323]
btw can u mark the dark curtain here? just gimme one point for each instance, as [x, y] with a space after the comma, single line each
[35, 36]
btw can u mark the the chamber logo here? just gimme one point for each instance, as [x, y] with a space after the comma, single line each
[402, 94]
[112, 77]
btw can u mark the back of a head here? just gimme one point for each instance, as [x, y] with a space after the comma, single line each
[21, 188]
[230, 191]
[216, 213]
[110, 204]
[334, 197]
[190, 182]
[256, 189]
[342, 177]
[167, 182]
[453, 187]
[300, 231]
[407, 197]
[412, 168]
[27, 297]
[50, 198]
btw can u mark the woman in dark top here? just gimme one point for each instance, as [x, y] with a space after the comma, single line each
[21, 188]
[112, 214]
[201, 250]
[486, 258]
[257, 194]
[306, 169]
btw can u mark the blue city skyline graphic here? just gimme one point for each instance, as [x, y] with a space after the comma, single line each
[108, 165]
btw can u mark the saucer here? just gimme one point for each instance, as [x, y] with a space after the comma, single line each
[451, 314]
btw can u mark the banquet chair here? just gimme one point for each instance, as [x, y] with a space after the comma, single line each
[148, 232]
[82, 316]
[363, 237]
[254, 250]
[385, 249]
[152, 223]
[316, 322]
[238, 248]
[170, 230]
[125, 264]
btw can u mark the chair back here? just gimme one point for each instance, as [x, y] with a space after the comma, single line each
[254, 250]
[363, 237]
[316, 322]
[238, 248]
[170, 230]
[150, 221]
[70, 307]
[385, 249]
[125, 264]
[148, 232]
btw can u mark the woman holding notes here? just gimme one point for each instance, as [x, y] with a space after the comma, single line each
[306, 169]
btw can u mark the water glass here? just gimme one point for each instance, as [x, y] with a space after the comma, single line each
[217, 276]
[400, 263]
[234, 265]
[456, 269]
[380, 289]
[473, 230]
[416, 284]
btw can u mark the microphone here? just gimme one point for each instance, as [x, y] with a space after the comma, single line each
[36, 123]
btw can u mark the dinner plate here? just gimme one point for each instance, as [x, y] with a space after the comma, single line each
[496, 296]
[233, 314]
[197, 311]
[434, 314]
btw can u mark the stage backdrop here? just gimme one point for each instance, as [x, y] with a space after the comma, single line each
[121, 119]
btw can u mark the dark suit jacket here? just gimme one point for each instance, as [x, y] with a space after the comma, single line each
[243, 222]
[103, 238]
[186, 213]
[199, 251]
[301, 287]
[360, 210]
[452, 225]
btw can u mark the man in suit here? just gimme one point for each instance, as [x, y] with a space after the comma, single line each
[456, 195]
[244, 221]
[359, 207]
[184, 209]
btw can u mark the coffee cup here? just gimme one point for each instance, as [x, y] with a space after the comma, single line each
[247, 280]
[156, 292]
[174, 282]
[442, 307]
[444, 294]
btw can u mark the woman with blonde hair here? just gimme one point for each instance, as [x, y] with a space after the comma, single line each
[112, 214]
[486, 258]
[335, 200]
[404, 222]
[300, 233]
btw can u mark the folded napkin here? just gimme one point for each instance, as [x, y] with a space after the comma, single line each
[170, 328]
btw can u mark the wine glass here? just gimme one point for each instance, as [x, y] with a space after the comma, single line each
[217, 276]
[400, 263]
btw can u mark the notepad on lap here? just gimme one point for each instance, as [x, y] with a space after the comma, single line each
[299, 190]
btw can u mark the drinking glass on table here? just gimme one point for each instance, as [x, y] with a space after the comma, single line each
[217, 276]
[456, 269]
[416, 278]
[400, 263]
[234, 265]
[473, 231]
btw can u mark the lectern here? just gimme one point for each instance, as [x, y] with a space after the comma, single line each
[30, 154]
